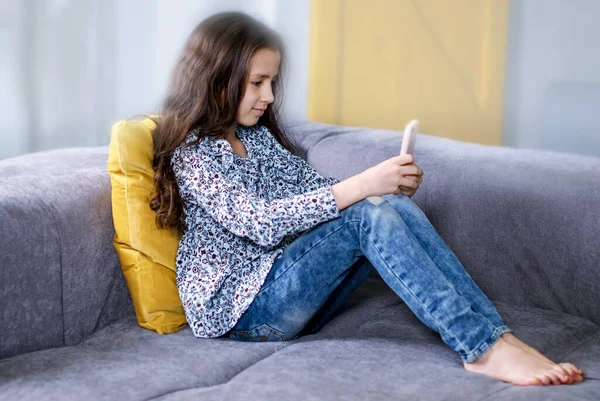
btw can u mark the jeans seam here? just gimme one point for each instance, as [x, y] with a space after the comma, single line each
[491, 319]
[304, 253]
[487, 344]
[265, 326]
[399, 279]
[415, 296]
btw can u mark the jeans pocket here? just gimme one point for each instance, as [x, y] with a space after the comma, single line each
[261, 333]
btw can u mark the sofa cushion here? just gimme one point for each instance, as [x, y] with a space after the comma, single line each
[146, 253]
[374, 348]
[524, 223]
[60, 279]
[39, 303]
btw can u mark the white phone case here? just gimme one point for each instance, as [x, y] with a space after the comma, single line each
[410, 137]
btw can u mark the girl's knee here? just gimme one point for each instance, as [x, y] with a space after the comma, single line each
[397, 198]
[375, 200]
[400, 201]
[363, 205]
[368, 207]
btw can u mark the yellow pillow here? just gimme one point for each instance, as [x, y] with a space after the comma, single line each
[146, 253]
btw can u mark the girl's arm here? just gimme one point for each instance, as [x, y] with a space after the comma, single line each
[346, 192]
[266, 223]
[308, 177]
[349, 191]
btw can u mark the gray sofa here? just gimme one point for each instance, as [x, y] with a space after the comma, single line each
[525, 224]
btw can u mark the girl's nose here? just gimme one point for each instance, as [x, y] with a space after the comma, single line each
[267, 95]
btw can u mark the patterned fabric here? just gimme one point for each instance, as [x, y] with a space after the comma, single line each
[240, 214]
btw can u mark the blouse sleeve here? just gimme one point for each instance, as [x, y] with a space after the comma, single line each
[245, 215]
[309, 178]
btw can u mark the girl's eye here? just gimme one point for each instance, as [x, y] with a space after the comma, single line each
[256, 83]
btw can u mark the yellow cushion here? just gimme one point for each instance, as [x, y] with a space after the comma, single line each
[146, 253]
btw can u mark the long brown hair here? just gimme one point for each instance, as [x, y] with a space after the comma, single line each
[204, 93]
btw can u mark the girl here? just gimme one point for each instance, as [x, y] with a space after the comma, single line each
[270, 248]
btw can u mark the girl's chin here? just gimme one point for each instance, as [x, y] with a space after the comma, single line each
[247, 124]
[250, 120]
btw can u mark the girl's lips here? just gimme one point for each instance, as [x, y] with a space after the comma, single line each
[259, 111]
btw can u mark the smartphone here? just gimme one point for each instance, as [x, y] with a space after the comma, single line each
[409, 138]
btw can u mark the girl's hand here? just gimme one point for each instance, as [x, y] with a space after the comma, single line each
[397, 175]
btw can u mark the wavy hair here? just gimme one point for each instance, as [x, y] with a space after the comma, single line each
[206, 87]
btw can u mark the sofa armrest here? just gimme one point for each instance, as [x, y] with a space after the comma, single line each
[525, 223]
[60, 278]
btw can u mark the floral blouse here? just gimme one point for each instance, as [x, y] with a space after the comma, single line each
[240, 214]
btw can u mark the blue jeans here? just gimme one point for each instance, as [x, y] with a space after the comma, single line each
[319, 270]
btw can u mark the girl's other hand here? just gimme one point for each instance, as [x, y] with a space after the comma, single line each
[397, 175]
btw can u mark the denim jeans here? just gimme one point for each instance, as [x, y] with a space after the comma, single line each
[319, 270]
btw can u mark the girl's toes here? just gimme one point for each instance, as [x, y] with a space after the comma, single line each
[572, 369]
[544, 379]
[554, 377]
[563, 374]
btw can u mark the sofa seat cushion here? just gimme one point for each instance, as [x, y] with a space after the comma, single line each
[374, 348]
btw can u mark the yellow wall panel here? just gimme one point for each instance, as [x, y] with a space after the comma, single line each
[384, 62]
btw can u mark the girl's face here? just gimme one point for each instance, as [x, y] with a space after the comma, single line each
[258, 94]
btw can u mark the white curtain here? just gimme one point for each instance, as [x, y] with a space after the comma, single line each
[58, 81]
[70, 68]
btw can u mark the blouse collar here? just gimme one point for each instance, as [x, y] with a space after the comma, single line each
[221, 146]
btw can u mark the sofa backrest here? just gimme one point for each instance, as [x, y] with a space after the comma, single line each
[525, 223]
[60, 279]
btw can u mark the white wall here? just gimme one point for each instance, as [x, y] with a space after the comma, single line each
[71, 67]
[14, 127]
[176, 19]
[60, 89]
[553, 76]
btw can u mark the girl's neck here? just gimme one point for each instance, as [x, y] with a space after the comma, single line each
[230, 136]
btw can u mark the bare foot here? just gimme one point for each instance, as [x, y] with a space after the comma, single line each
[512, 364]
[569, 368]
